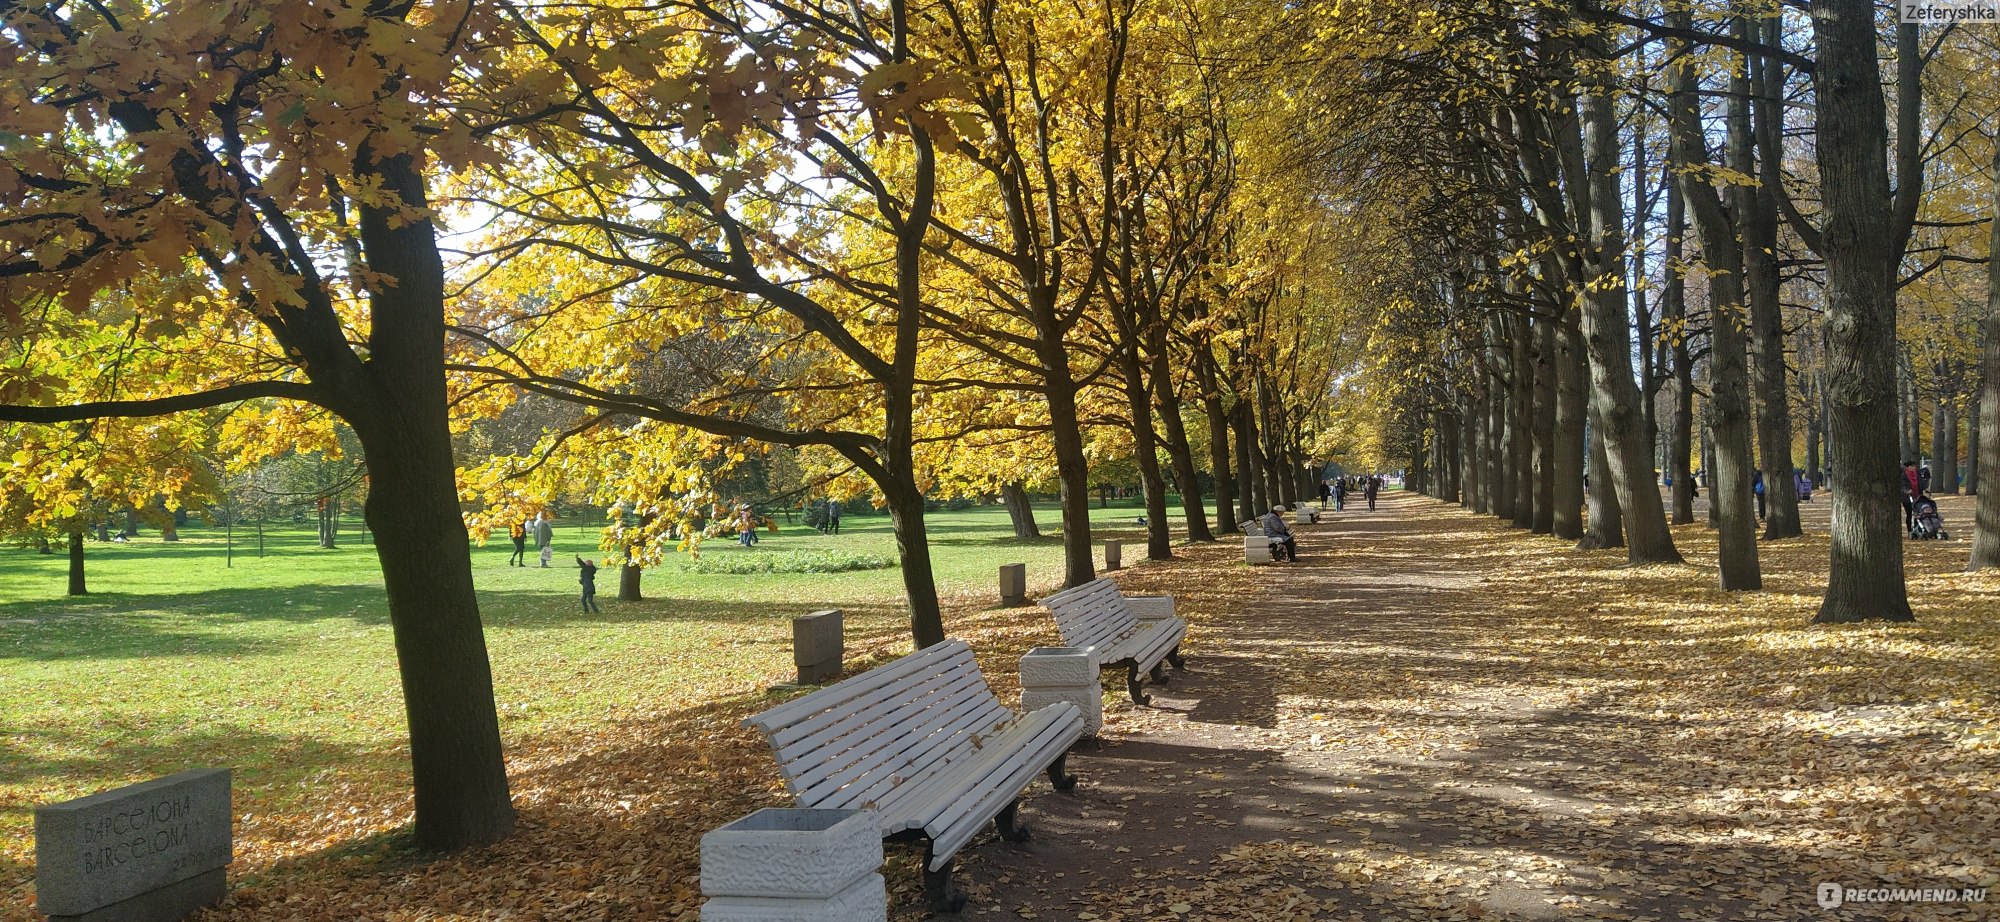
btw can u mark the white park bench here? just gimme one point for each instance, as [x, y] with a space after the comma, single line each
[924, 744]
[1137, 632]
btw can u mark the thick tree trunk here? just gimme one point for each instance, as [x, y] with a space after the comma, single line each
[913, 550]
[1218, 462]
[1020, 511]
[1470, 446]
[76, 582]
[1757, 221]
[1972, 424]
[1730, 415]
[1606, 525]
[1673, 314]
[1944, 447]
[1146, 453]
[400, 416]
[1608, 341]
[1986, 526]
[1521, 423]
[1543, 421]
[1572, 409]
[1180, 456]
[1248, 485]
[1073, 469]
[1865, 579]
[628, 584]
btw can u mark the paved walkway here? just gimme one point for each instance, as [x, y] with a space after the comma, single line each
[1411, 724]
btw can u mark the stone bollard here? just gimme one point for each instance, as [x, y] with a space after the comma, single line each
[784, 865]
[1114, 554]
[1013, 585]
[1052, 674]
[157, 851]
[817, 646]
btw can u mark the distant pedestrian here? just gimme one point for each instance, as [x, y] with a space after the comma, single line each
[587, 575]
[1373, 489]
[1340, 494]
[1912, 487]
[1757, 487]
[746, 525]
[545, 537]
[519, 532]
[1325, 493]
[832, 516]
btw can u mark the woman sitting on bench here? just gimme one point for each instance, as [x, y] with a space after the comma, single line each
[1282, 542]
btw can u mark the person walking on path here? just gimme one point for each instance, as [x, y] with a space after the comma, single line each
[1340, 494]
[519, 532]
[545, 537]
[1325, 493]
[1282, 543]
[587, 575]
[1373, 489]
[1757, 487]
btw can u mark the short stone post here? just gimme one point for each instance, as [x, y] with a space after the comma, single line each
[1052, 674]
[1114, 553]
[157, 851]
[1013, 585]
[818, 642]
[783, 865]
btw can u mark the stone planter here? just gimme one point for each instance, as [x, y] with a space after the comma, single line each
[784, 865]
[1114, 554]
[1052, 674]
[1013, 585]
[1150, 607]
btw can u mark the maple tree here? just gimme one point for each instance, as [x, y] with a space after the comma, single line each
[246, 185]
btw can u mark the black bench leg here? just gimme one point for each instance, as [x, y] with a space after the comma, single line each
[1009, 824]
[1132, 684]
[1159, 672]
[1174, 657]
[1061, 779]
[939, 893]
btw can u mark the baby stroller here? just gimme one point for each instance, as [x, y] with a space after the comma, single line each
[1927, 525]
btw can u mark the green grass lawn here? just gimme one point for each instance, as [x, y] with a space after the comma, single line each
[282, 666]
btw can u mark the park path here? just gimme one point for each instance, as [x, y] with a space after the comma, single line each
[1395, 728]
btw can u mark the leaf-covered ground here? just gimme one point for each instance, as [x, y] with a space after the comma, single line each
[1434, 717]
[1430, 717]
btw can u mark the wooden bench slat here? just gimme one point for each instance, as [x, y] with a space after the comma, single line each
[973, 801]
[862, 749]
[940, 749]
[860, 710]
[807, 705]
[899, 753]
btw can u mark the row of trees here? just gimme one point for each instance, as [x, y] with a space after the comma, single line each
[932, 246]
[1641, 233]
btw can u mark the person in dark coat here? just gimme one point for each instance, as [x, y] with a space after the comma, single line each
[587, 575]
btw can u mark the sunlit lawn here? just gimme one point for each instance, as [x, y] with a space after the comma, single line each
[282, 666]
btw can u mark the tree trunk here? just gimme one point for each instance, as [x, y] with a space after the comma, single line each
[1145, 450]
[1520, 423]
[1019, 510]
[76, 582]
[457, 767]
[1757, 219]
[1248, 486]
[1572, 409]
[1608, 341]
[1865, 578]
[1606, 525]
[1730, 415]
[1470, 445]
[1218, 461]
[1986, 525]
[906, 511]
[1180, 456]
[1972, 423]
[1543, 421]
[628, 584]
[1079, 565]
[1944, 447]
[1673, 315]
[1499, 432]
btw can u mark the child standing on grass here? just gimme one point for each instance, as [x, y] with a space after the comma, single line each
[587, 575]
[519, 532]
